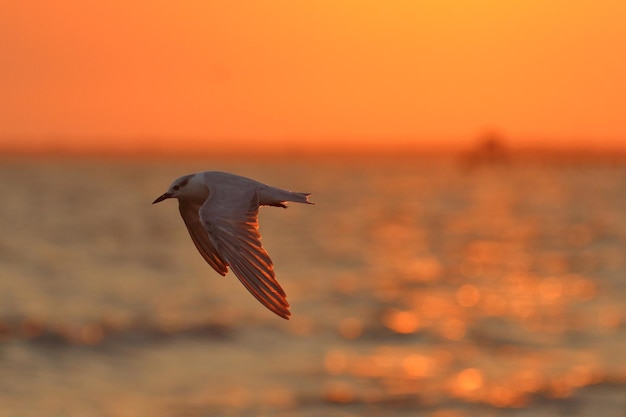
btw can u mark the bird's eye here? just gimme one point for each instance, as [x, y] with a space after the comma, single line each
[176, 187]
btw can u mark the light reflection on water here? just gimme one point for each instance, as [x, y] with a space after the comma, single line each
[417, 287]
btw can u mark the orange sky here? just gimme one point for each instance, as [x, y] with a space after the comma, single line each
[158, 74]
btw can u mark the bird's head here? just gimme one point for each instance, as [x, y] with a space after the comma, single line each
[184, 187]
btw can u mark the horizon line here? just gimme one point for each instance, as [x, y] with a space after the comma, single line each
[500, 149]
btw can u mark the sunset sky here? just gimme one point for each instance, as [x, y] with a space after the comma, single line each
[163, 75]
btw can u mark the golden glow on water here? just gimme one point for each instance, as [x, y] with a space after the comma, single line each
[423, 269]
[467, 295]
[551, 288]
[449, 293]
[398, 368]
[402, 321]
[453, 329]
[610, 317]
[419, 366]
[350, 328]
[468, 383]
[340, 392]
[335, 361]
[499, 291]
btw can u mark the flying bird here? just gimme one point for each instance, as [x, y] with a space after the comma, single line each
[221, 211]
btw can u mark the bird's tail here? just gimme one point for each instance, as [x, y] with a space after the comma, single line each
[273, 196]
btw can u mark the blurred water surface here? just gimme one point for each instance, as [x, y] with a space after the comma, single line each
[419, 287]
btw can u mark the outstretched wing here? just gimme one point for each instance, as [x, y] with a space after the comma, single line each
[230, 216]
[190, 214]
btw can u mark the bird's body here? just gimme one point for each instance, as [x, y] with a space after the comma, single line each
[220, 211]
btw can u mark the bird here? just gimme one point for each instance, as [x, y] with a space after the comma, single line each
[220, 211]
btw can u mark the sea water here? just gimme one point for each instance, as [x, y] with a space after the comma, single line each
[418, 287]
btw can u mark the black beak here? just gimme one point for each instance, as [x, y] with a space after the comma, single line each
[162, 197]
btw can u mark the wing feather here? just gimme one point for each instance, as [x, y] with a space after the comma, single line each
[231, 220]
[200, 237]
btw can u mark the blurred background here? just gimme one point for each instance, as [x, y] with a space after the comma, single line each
[465, 255]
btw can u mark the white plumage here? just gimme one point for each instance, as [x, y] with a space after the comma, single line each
[220, 211]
